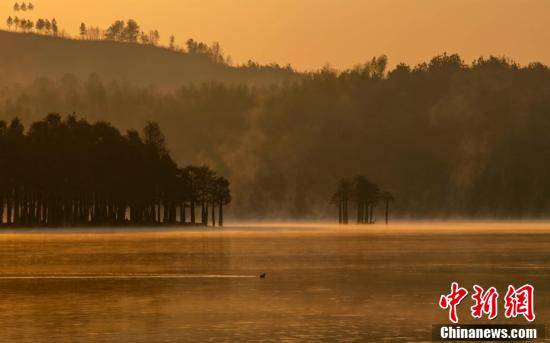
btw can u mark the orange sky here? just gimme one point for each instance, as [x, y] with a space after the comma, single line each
[311, 33]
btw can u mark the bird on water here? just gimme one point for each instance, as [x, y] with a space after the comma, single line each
[263, 275]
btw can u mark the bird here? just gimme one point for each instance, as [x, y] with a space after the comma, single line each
[263, 275]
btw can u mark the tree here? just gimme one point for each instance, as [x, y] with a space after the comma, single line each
[341, 197]
[372, 198]
[154, 137]
[16, 7]
[199, 48]
[172, 43]
[360, 195]
[222, 196]
[30, 6]
[67, 172]
[202, 180]
[16, 22]
[388, 198]
[144, 39]
[83, 30]
[131, 32]
[154, 37]
[217, 53]
[29, 25]
[55, 29]
[23, 7]
[40, 25]
[151, 38]
[364, 193]
[114, 32]
[94, 33]
[47, 26]
[9, 22]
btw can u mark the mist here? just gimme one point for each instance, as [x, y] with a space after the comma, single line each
[448, 139]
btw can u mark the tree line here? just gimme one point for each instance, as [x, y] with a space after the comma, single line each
[366, 195]
[74, 173]
[23, 7]
[43, 26]
[450, 139]
[130, 32]
[121, 31]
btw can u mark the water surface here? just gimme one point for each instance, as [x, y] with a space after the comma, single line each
[324, 282]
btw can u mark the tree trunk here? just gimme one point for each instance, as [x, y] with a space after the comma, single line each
[1, 209]
[204, 214]
[340, 212]
[387, 211]
[371, 214]
[182, 213]
[8, 210]
[213, 215]
[193, 219]
[345, 211]
[220, 214]
[16, 208]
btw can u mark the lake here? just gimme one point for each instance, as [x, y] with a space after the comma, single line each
[324, 282]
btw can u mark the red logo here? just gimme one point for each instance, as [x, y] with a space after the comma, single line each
[485, 302]
[452, 300]
[518, 301]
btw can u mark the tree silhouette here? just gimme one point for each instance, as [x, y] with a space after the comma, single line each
[114, 32]
[372, 198]
[131, 32]
[70, 172]
[16, 7]
[199, 48]
[388, 198]
[30, 25]
[40, 25]
[360, 194]
[47, 26]
[124, 32]
[55, 29]
[16, 22]
[342, 197]
[30, 6]
[9, 22]
[364, 193]
[172, 44]
[23, 25]
[83, 30]
[221, 197]
[23, 7]
[144, 39]
[154, 37]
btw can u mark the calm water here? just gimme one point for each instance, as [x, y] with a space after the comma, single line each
[324, 283]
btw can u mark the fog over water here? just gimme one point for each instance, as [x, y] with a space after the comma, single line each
[324, 282]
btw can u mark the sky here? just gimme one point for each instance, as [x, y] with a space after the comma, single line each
[310, 34]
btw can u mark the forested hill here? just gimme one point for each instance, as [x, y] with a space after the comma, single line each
[24, 57]
[447, 138]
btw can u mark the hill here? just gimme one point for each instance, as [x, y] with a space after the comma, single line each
[24, 57]
[448, 139]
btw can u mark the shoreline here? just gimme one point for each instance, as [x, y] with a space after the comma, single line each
[401, 229]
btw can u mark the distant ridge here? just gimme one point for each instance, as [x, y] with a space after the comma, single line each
[25, 56]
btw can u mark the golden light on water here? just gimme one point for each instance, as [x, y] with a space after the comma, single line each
[324, 282]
